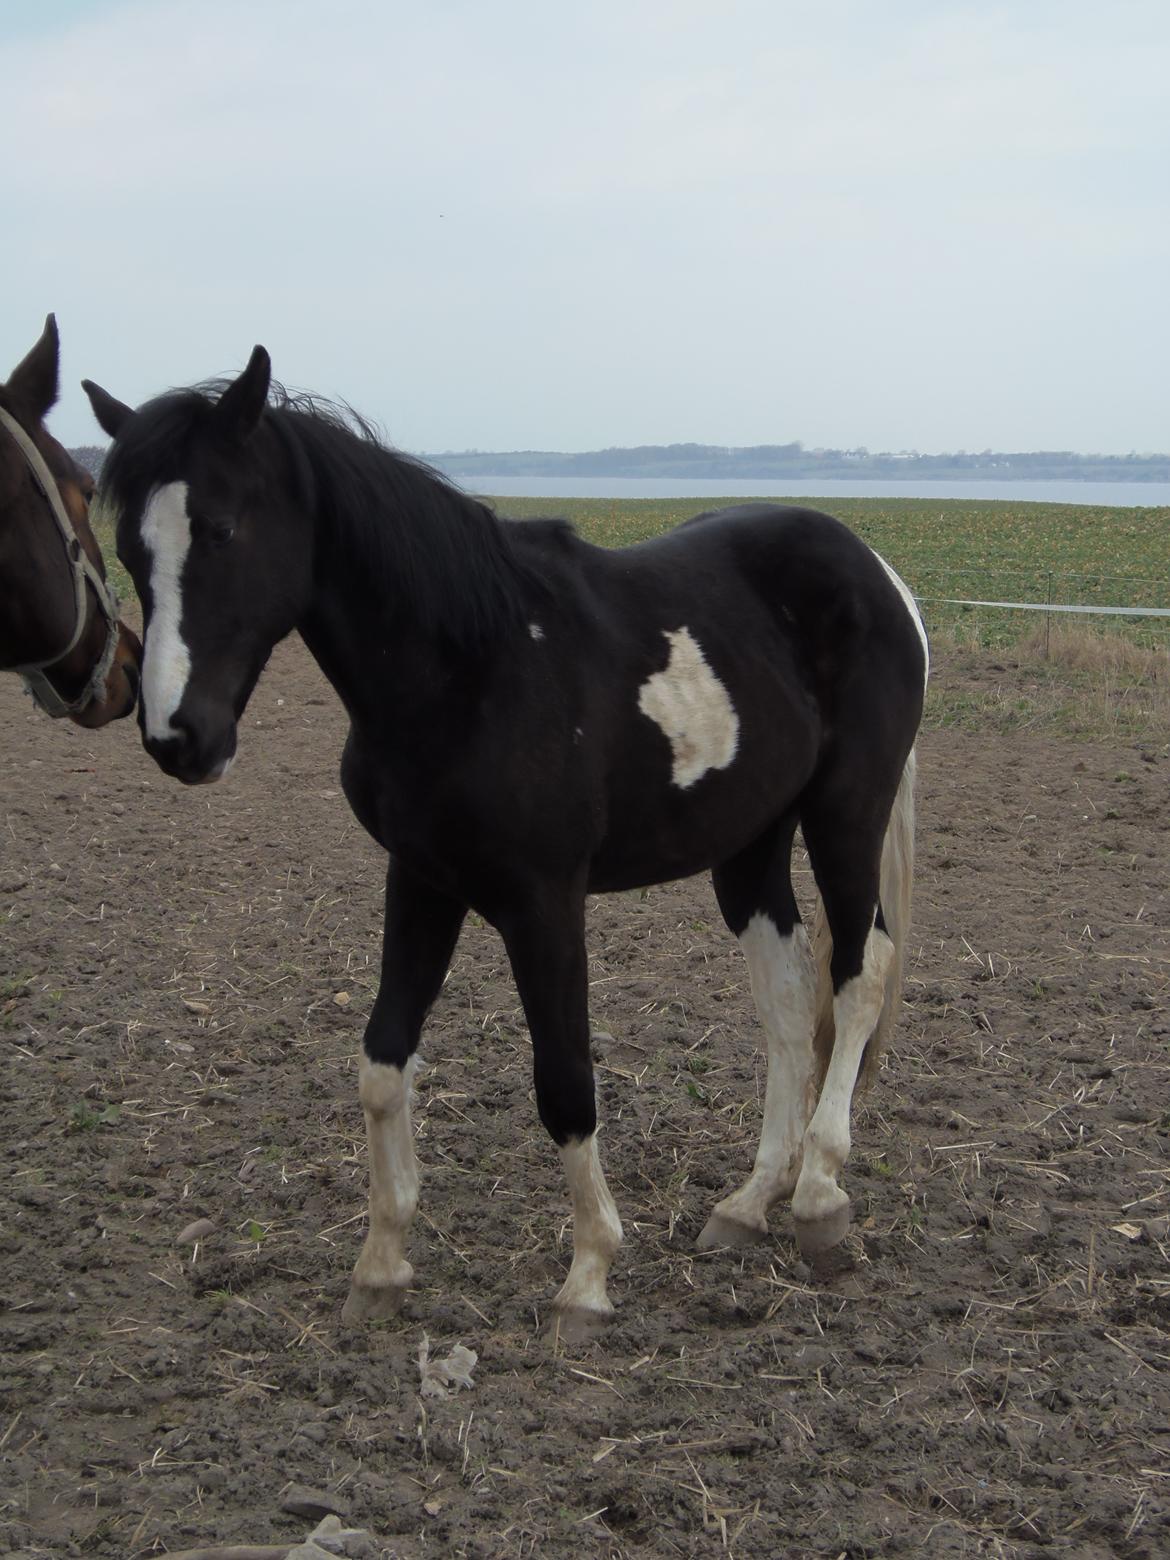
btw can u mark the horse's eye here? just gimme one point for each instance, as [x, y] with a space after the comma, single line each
[216, 533]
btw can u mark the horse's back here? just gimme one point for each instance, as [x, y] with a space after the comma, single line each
[761, 572]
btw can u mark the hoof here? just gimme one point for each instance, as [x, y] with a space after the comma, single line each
[816, 1236]
[719, 1231]
[574, 1324]
[372, 1305]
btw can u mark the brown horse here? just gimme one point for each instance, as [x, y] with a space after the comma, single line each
[59, 626]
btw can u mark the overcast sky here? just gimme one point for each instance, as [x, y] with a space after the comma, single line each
[893, 223]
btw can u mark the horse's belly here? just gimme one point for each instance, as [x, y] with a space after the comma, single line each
[682, 838]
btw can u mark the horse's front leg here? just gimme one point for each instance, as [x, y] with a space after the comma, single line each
[546, 946]
[421, 930]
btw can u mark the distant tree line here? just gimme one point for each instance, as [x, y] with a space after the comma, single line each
[90, 456]
[755, 461]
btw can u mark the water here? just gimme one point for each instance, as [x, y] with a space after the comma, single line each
[1101, 494]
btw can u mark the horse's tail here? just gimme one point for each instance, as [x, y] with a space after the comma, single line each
[897, 877]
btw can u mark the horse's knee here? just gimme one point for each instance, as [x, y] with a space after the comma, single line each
[566, 1101]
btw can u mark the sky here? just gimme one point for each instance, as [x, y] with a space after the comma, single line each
[898, 224]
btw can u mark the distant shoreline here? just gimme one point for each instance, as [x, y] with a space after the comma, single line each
[821, 493]
[659, 472]
[792, 463]
[771, 463]
[1122, 472]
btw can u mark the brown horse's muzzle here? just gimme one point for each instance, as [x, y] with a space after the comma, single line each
[119, 694]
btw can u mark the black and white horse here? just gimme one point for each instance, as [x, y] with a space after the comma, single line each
[534, 719]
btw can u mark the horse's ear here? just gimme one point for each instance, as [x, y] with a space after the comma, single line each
[33, 382]
[242, 404]
[112, 414]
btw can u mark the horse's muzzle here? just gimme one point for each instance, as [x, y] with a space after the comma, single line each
[195, 757]
[118, 697]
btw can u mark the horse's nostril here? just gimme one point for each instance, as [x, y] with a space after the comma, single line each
[182, 734]
[174, 749]
[192, 749]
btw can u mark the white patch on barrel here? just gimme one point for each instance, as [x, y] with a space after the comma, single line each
[165, 528]
[904, 591]
[691, 706]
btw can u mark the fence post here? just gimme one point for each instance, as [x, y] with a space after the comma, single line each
[1048, 618]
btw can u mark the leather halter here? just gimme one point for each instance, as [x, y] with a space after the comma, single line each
[84, 573]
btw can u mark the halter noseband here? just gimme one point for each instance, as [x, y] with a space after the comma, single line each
[83, 572]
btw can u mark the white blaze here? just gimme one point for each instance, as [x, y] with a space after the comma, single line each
[689, 703]
[166, 662]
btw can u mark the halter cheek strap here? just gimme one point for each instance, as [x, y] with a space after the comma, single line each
[84, 575]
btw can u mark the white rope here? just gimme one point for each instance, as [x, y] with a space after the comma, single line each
[1047, 606]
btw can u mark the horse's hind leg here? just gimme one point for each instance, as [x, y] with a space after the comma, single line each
[846, 861]
[420, 935]
[755, 895]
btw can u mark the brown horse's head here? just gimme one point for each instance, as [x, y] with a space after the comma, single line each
[58, 619]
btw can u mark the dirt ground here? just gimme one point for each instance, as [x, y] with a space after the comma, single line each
[184, 976]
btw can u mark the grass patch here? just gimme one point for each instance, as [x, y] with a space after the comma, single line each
[1081, 684]
[103, 531]
[87, 1118]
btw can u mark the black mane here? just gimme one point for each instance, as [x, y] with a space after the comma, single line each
[399, 520]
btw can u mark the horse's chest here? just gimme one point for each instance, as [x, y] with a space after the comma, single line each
[364, 785]
[400, 804]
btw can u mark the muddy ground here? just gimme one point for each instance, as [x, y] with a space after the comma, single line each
[184, 980]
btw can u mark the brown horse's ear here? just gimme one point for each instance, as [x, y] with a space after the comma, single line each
[33, 382]
[242, 404]
[112, 414]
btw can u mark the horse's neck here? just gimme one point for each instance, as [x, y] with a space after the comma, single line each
[394, 634]
[386, 667]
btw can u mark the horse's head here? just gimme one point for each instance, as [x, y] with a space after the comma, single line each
[205, 530]
[59, 627]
